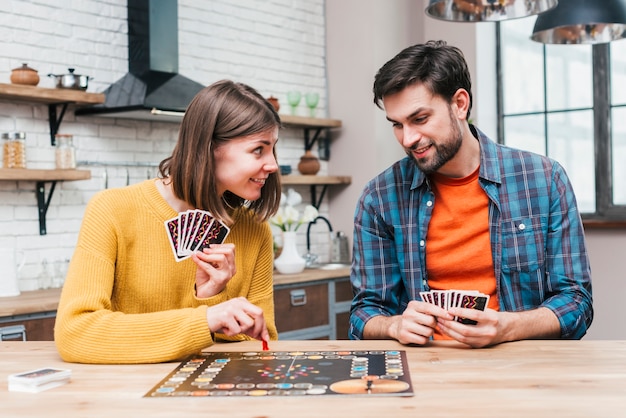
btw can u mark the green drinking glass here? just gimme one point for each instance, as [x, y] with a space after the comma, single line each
[293, 98]
[312, 99]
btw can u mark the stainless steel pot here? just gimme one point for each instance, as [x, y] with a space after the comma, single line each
[71, 80]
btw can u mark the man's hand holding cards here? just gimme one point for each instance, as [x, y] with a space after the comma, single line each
[446, 299]
[192, 231]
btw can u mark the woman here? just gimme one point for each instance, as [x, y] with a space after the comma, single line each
[126, 299]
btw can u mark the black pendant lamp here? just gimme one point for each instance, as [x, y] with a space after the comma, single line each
[582, 22]
[487, 10]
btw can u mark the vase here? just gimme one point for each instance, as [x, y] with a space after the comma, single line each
[289, 261]
[309, 164]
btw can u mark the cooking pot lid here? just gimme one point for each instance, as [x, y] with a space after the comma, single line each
[24, 67]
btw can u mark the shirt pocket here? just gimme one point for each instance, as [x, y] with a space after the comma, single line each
[523, 244]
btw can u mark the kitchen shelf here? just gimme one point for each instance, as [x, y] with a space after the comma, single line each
[41, 177]
[296, 180]
[293, 121]
[29, 174]
[52, 97]
[315, 181]
[48, 95]
[313, 127]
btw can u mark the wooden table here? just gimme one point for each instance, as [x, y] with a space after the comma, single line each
[525, 379]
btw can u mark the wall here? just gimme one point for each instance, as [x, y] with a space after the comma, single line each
[274, 46]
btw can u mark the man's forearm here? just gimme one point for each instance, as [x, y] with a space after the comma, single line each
[540, 323]
[379, 328]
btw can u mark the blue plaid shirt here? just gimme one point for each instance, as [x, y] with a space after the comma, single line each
[537, 239]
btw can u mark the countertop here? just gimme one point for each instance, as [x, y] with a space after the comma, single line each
[47, 300]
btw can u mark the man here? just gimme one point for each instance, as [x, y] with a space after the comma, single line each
[462, 212]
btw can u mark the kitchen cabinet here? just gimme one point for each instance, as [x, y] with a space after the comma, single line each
[36, 327]
[53, 98]
[32, 312]
[317, 308]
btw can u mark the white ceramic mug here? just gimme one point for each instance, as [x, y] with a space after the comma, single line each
[8, 271]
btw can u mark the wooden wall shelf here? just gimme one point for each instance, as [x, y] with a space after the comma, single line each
[295, 180]
[28, 174]
[51, 97]
[314, 182]
[314, 126]
[41, 177]
[291, 121]
[48, 95]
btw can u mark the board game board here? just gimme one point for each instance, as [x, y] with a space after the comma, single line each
[289, 373]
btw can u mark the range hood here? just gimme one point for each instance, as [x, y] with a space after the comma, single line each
[152, 89]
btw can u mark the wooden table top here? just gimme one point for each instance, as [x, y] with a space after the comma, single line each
[525, 379]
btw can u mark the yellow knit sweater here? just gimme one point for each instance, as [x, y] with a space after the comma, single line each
[126, 299]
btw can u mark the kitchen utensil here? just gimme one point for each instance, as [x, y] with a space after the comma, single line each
[71, 80]
[24, 75]
[10, 268]
[340, 252]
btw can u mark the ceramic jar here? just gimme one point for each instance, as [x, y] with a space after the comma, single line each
[274, 102]
[24, 75]
[309, 164]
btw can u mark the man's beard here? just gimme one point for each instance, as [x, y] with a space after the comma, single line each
[444, 151]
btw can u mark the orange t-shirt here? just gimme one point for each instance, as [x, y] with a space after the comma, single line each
[458, 248]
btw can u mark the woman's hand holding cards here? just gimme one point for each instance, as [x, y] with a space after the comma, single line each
[216, 266]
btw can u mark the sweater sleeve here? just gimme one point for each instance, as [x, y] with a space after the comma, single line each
[118, 303]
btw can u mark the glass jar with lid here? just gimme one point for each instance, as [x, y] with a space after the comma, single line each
[14, 150]
[65, 153]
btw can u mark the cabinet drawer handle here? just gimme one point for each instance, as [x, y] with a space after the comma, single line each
[298, 297]
[13, 331]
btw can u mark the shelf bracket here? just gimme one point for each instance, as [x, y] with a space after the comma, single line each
[43, 203]
[54, 121]
[323, 146]
[314, 200]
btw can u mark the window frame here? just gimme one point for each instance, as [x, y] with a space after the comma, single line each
[607, 214]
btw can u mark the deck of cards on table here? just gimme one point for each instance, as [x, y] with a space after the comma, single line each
[194, 230]
[446, 299]
[38, 380]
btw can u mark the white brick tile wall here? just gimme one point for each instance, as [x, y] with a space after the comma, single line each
[275, 46]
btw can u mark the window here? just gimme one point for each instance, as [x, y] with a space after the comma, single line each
[568, 102]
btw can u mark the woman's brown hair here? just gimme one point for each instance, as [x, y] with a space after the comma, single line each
[218, 113]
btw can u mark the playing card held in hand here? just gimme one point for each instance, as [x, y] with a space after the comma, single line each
[194, 230]
[446, 299]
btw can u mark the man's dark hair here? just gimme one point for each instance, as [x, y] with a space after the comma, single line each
[438, 66]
